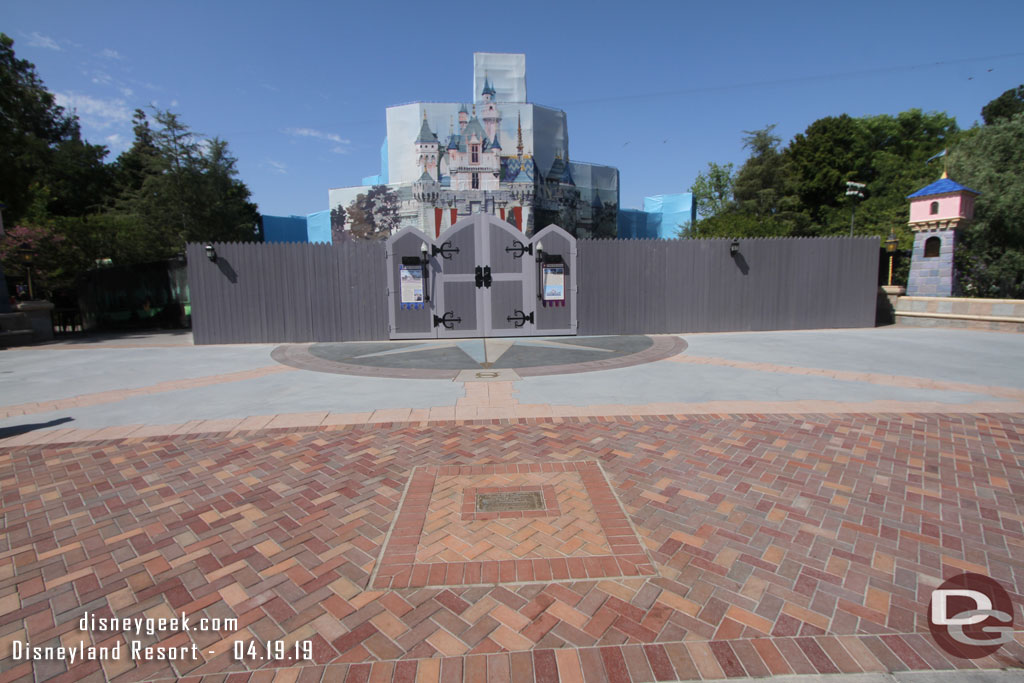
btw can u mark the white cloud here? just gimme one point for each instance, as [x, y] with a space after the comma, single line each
[94, 111]
[111, 54]
[277, 166]
[116, 143]
[340, 148]
[36, 39]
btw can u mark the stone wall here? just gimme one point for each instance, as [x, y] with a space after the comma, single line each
[932, 276]
[979, 314]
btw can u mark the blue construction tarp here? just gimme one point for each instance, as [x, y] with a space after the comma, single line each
[285, 229]
[318, 226]
[670, 215]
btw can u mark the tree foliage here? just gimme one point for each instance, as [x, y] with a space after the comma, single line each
[712, 190]
[800, 189]
[172, 186]
[990, 257]
[41, 146]
[1004, 107]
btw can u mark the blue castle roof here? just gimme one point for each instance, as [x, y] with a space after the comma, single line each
[941, 186]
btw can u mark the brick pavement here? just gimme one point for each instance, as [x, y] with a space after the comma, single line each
[781, 544]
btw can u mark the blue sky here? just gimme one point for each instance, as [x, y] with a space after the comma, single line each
[657, 89]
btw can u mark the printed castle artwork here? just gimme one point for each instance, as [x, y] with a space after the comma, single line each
[501, 155]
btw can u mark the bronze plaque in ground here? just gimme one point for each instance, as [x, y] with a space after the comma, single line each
[509, 500]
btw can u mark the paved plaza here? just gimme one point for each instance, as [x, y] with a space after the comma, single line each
[638, 508]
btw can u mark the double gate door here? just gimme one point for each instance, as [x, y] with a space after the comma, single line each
[481, 278]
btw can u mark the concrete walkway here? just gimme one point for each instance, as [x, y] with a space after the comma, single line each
[150, 385]
[758, 504]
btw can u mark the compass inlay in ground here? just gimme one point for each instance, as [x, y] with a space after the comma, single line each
[447, 358]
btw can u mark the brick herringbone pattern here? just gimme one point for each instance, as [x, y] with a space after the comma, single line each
[449, 538]
[582, 533]
[782, 545]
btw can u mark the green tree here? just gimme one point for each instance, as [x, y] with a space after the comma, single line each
[712, 190]
[759, 184]
[990, 159]
[1004, 107]
[885, 152]
[41, 147]
[181, 187]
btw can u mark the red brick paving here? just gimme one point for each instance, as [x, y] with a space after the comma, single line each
[439, 540]
[782, 545]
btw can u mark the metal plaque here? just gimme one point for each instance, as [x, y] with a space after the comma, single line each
[509, 501]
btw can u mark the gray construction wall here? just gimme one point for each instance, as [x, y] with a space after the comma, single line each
[666, 286]
[324, 292]
[288, 292]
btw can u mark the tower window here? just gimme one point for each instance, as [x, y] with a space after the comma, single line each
[475, 155]
[934, 208]
[476, 181]
[932, 246]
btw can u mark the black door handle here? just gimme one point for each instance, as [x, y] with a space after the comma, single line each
[487, 276]
[479, 277]
[448, 320]
[520, 318]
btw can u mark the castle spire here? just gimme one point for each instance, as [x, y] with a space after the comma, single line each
[519, 134]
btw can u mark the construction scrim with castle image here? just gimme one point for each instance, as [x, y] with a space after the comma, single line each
[501, 155]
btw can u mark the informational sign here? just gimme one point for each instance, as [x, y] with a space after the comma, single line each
[554, 283]
[412, 284]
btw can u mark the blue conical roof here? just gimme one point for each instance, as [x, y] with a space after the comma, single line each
[426, 135]
[488, 88]
[942, 186]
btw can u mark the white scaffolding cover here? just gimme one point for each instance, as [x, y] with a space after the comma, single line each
[505, 72]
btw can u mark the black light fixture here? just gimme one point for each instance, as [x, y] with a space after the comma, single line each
[422, 261]
[540, 252]
[211, 253]
[734, 248]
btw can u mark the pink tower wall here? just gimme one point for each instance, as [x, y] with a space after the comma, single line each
[950, 206]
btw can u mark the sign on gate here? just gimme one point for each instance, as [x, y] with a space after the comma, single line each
[481, 278]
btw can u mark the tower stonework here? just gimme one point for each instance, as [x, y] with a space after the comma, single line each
[937, 213]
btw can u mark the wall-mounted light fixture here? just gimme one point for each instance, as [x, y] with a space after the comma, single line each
[540, 252]
[734, 248]
[211, 253]
[422, 261]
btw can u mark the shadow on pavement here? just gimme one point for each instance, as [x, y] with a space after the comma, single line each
[16, 430]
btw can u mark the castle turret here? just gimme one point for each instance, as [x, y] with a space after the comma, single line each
[937, 213]
[427, 149]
